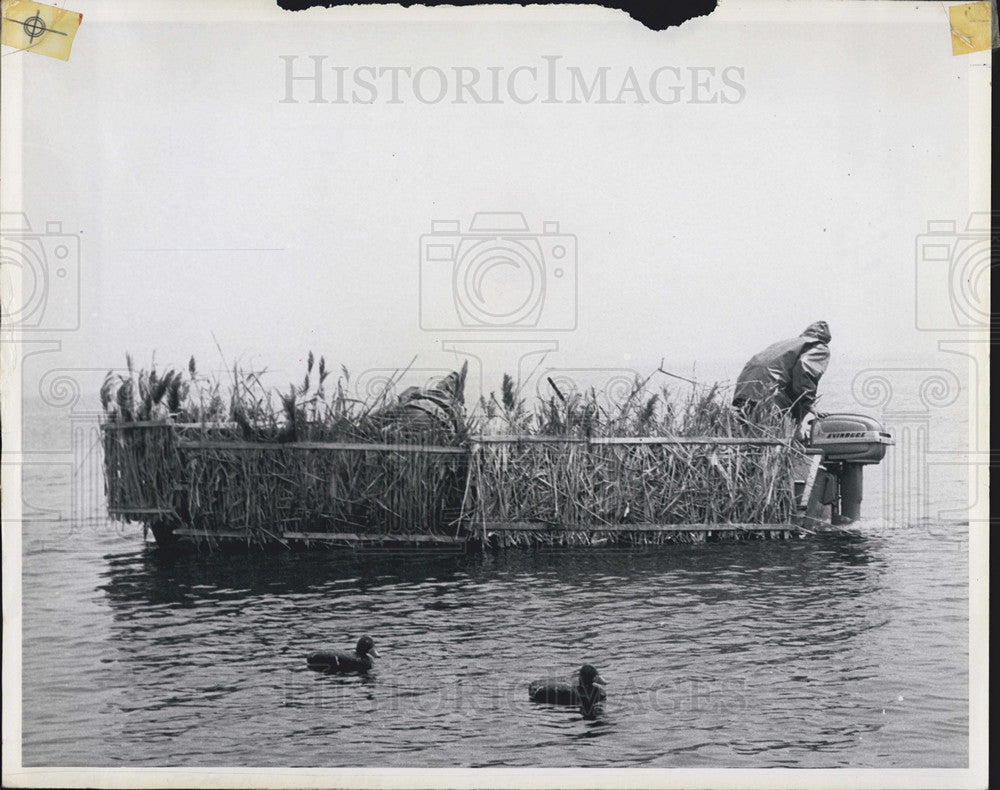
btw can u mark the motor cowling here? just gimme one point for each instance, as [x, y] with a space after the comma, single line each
[847, 443]
[853, 438]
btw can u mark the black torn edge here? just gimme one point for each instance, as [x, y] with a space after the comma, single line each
[654, 15]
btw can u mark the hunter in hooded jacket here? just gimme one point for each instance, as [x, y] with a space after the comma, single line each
[787, 372]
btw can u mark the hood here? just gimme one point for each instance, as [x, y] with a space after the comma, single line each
[451, 387]
[820, 330]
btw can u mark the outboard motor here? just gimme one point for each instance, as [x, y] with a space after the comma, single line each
[848, 442]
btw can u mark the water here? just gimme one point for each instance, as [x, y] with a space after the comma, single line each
[846, 650]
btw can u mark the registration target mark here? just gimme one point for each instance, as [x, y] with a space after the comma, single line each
[27, 25]
[34, 27]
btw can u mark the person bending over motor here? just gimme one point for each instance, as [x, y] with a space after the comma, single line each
[786, 373]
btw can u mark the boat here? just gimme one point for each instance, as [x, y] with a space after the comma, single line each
[206, 483]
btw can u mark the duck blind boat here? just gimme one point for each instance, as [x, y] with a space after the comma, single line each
[326, 468]
[208, 484]
[204, 482]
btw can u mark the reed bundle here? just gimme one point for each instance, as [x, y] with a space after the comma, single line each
[142, 468]
[267, 493]
[231, 459]
[573, 464]
[314, 410]
[588, 486]
[558, 538]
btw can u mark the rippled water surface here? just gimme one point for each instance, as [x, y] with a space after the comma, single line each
[846, 650]
[822, 652]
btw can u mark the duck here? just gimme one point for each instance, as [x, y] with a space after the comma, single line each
[340, 662]
[583, 694]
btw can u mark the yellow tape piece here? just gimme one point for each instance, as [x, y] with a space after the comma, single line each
[39, 28]
[971, 28]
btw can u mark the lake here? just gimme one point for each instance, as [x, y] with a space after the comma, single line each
[835, 650]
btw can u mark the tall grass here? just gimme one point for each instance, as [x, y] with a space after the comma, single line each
[242, 457]
[645, 410]
[317, 408]
[569, 487]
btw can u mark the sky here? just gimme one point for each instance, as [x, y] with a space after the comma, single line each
[221, 211]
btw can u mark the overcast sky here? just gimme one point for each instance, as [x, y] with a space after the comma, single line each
[692, 230]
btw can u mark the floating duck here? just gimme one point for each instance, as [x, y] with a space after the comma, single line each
[336, 661]
[584, 694]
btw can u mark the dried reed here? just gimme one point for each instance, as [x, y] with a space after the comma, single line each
[230, 459]
[547, 466]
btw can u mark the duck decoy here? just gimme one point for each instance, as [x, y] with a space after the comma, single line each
[584, 694]
[337, 661]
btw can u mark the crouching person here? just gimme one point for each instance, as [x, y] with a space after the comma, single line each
[786, 373]
[435, 411]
